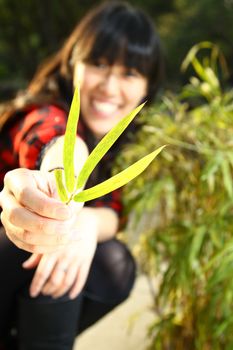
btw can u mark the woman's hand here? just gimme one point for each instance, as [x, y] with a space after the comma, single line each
[67, 269]
[34, 219]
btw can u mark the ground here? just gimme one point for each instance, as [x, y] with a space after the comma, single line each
[124, 328]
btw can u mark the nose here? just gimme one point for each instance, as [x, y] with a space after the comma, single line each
[109, 84]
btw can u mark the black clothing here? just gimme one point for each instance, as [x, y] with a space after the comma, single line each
[52, 324]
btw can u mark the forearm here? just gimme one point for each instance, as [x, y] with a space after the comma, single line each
[103, 220]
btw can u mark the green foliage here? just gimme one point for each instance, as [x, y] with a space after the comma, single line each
[70, 188]
[190, 22]
[69, 142]
[184, 209]
[118, 180]
[180, 23]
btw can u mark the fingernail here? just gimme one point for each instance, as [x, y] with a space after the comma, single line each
[72, 296]
[34, 293]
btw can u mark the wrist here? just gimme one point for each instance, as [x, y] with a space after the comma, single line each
[89, 220]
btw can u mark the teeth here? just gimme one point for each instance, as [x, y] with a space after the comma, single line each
[104, 107]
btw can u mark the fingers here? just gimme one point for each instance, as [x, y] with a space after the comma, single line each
[80, 281]
[55, 278]
[66, 270]
[55, 274]
[12, 232]
[42, 273]
[33, 238]
[62, 283]
[23, 218]
[35, 242]
[35, 191]
[32, 262]
[33, 220]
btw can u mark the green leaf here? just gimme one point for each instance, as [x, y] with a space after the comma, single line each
[69, 142]
[103, 146]
[227, 177]
[118, 180]
[191, 56]
[211, 77]
[196, 243]
[60, 185]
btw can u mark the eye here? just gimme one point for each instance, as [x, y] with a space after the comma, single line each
[131, 72]
[101, 65]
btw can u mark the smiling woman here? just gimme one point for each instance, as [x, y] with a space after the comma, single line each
[82, 271]
[109, 92]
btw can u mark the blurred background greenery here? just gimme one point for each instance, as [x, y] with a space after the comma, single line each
[180, 211]
[31, 30]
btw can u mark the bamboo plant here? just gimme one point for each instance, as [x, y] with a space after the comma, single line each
[182, 210]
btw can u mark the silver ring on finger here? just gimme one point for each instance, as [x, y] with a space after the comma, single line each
[63, 268]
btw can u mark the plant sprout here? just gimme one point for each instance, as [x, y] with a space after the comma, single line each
[69, 186]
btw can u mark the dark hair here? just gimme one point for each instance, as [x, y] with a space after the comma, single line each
[121, 33]
[115, 31]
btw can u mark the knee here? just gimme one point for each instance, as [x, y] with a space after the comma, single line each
[121, 266]
[115, 269]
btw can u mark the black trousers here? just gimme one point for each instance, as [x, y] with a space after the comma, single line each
[52, 324]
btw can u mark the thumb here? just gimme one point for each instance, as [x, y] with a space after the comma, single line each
[32, 262]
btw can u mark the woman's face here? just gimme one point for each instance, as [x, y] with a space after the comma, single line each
[108, 93]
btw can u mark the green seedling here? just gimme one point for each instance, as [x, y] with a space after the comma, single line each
[69, 186]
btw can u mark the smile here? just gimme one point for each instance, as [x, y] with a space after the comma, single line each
[104, 107]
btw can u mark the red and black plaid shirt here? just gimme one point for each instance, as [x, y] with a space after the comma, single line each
[25, 137]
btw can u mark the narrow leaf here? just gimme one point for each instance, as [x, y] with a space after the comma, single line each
[103, 146]
[69, 141]
[193, 52]
[227, 177]
[118, 180]
[60, 185]
[196, 244]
